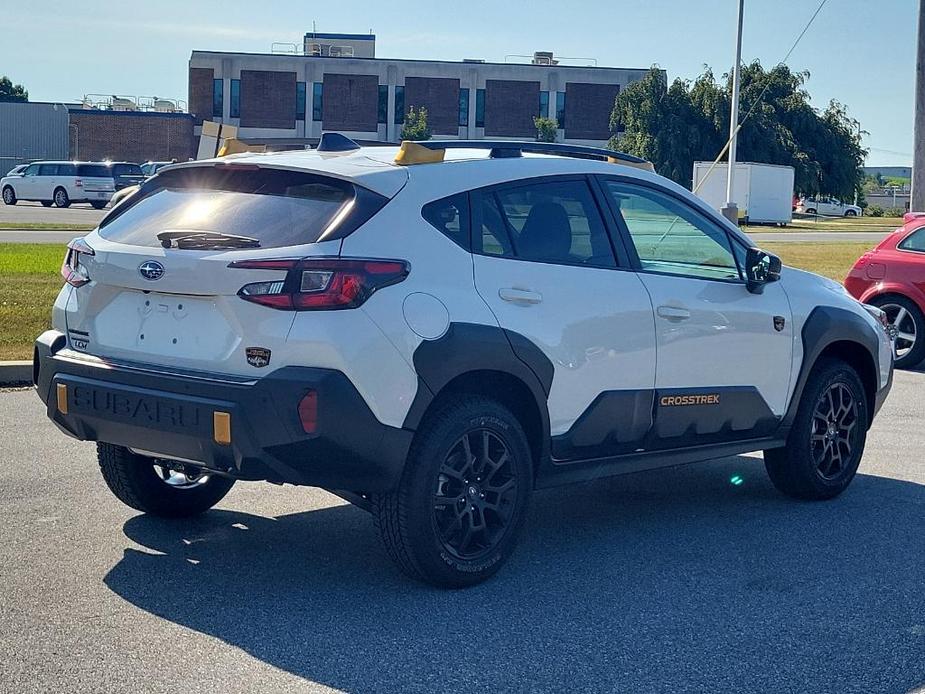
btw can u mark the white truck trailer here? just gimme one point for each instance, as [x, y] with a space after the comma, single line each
[763, 192]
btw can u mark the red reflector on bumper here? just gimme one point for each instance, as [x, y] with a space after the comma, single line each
[308, 412]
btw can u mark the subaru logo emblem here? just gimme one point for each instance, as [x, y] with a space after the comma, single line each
[151, 270]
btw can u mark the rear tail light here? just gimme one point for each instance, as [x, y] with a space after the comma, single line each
[320, 284]
[73, 271]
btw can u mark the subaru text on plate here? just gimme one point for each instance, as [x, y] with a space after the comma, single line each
[436, 331]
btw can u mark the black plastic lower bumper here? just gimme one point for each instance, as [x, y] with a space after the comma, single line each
[172, 413]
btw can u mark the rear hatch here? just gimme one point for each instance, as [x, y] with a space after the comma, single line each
[161, 290]
[95, 179]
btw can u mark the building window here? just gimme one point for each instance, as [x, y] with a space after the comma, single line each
[479, 108]
[300, 100]
[399, 104]
[383, 103]
[560, 108]
[218, 98]
[317, 98]
[464, 107]
[544, 104]
[235, 99]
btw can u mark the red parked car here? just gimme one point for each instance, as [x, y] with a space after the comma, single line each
[892, 276]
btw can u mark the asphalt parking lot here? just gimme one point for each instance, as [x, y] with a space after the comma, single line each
[33, 212]
[675, 580]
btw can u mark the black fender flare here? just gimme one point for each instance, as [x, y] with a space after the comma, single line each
[825, 326]
[470, 347]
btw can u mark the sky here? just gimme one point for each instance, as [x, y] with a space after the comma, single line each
[859, 52]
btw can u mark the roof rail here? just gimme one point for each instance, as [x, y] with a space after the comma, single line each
[504, 149]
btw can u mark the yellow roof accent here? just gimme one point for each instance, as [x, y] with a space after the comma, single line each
[235, 146]
[413, 153]
[644, 165]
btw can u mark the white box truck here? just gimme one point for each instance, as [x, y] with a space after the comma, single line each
[763, 192]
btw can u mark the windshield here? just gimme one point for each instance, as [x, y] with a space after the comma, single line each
[272, 207]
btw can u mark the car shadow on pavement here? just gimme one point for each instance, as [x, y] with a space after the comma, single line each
[700, 578]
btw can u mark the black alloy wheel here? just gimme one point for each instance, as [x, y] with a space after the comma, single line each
[834, 431]
[476, 494]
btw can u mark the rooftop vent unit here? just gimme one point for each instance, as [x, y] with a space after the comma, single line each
[340, 51]
[544, 58]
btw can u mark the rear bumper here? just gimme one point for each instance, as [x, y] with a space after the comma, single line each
[172, 413]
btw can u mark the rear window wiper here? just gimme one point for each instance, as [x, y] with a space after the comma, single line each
[205, 240]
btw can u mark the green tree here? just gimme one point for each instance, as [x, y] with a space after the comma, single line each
[415, 127]
[12, 92]
[545, 128]
[673, 126]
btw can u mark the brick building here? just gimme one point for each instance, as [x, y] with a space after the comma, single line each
[335, 83]
[136, 136]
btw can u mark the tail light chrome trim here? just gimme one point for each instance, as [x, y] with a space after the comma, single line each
[320, 284]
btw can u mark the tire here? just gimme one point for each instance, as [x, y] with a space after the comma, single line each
[46, 203]
[817, 464]
[428, 540]
[811, 211]
[851, 213]
[136, 483]
[908, 353]
[9, 196]
[62, 199]
[98, 204]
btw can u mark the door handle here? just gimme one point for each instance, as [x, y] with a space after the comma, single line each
[673, 313]
[520, 296]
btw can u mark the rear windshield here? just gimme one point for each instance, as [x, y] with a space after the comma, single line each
[94, 171]
[271, 208]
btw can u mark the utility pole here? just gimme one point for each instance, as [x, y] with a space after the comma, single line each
[731, 211]
[917, 199]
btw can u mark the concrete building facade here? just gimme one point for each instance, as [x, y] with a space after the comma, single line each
[337, 84]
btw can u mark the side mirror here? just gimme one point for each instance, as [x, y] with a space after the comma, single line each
[761, 267]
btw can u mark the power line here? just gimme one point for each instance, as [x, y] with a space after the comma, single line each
[761, 95]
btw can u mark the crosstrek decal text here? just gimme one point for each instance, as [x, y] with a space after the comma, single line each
[680, 400]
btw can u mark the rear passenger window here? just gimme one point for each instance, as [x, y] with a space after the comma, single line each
[914, 241]
[450, 216]
[554, 222]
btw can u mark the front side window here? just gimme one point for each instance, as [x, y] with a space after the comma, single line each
[450, 216]
[32, 170]
[218, 98]
[914, 241]
[48, 170]
[552, 222]
[670, 237]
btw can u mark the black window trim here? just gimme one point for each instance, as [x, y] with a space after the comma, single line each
[627, 241]
[621, 260]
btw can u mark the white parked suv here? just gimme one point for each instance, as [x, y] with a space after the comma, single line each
[828, 207]
[435, 332]
[60, 183]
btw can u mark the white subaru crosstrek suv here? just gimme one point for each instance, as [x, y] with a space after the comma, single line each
[436, 331]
